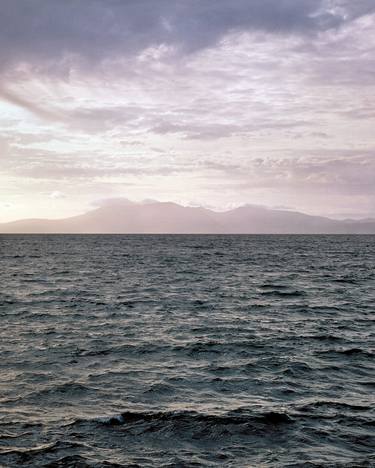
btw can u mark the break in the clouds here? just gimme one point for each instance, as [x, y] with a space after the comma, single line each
[217, 103]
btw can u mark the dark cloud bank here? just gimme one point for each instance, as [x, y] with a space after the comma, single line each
[46, 32]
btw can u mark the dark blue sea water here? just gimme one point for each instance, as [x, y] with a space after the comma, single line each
[179, 351]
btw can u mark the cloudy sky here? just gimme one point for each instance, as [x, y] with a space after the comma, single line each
[209, 102]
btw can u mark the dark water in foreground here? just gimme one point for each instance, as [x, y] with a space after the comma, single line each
[238, 351]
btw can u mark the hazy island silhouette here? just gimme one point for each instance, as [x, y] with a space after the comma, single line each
[154, 217]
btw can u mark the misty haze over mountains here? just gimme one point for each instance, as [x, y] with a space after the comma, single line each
[152, 217]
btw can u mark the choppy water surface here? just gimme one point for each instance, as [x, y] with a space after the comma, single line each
[187, 351]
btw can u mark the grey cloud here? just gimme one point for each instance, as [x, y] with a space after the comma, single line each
[51, 165]
[212, 131]
[197, 131]
[52, 34]
[29, 105]
[333, 171]
[69, 172]
[352, 175]
[90, 119]
[356, 8]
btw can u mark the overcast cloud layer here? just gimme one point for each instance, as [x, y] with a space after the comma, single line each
[216, 102]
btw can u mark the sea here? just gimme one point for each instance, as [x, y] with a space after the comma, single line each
[187, 351]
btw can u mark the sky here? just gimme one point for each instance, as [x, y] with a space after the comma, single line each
[216, 103]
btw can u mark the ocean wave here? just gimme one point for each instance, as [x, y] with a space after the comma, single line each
[338, 405]
[71, 389]
[241, 421]
[353, 352]
[41, 449]
[78, 461]
[283, 293]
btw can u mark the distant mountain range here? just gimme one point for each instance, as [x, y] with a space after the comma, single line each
[170, 218]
